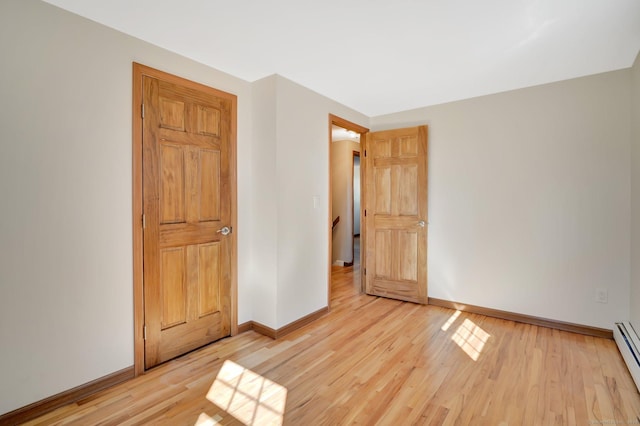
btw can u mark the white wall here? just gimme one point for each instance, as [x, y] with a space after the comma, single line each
[635, 193]
[342, 198]
[291, 166]
[66, 300]
[265, 203]
[303, 173]
[529, 198]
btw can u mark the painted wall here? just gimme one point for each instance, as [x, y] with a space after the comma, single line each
[529, 204]
[635, 193]
[265, 203]
[342, 198]
[302, 174]
[66, 300]
[291, 194]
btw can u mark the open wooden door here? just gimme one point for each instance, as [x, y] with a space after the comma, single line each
[395, 214]
[189, 211]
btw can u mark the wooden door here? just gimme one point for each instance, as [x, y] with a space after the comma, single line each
[187, 178]
[396, 214]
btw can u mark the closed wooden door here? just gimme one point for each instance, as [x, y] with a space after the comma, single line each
[396, 214]
[187, 205]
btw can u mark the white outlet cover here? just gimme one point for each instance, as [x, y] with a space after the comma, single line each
[601, 295]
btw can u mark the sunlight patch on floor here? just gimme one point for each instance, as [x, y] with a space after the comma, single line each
[247, 396]
[204, 420]
[450, 321]
[470, 338]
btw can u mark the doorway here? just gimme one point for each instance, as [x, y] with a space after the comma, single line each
[345, 145]
[345, 141]
[355, 216]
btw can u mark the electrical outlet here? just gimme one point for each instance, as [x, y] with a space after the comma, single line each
[601, 295]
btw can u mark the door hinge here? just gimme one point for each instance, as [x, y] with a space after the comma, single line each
[365, 271]
[144, 332]
[142, 110]
[144, 221]
[365, 213]
[365, 152]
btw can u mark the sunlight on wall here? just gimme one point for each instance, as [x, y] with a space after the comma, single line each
[450, 321]
[247, 396]
[470, 338]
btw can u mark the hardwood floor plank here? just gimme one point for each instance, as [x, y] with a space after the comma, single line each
[379, 361]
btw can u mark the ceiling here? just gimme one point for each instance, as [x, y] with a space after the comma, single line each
[341, 134]
[382, 56]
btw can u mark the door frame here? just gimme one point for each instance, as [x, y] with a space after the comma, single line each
[346, 124]
[139, 71]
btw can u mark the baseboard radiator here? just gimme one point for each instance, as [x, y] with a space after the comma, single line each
[628, 343]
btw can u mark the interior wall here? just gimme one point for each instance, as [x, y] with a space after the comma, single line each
[264, 194]
[66, 299]
[529, 206]
[342, 199]
[635, 192]
[303, 195]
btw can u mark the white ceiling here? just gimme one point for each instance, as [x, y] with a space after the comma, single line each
[382, 56]
[341, 134]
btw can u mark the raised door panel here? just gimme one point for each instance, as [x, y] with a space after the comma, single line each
[407, 190]
[382, 183]
[208, 121]
[407, 146]
[407, 256]
[172, 187]
[209, 185]
[383, 261]
[172, 283]
[380, 148]
[209, 279]
[172, 114]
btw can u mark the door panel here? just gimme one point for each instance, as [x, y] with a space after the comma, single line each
[407, 190]
[186, 200]
[396, 206]
[172, 209]
[209, 185]
[383, 190]
[209, 279]
[172, 281]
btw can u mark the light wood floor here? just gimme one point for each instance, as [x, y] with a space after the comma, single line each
[373, 360]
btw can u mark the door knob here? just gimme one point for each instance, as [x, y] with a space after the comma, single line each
[224, 230]
[421, 223]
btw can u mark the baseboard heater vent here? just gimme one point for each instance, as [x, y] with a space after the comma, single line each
[628, 343]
